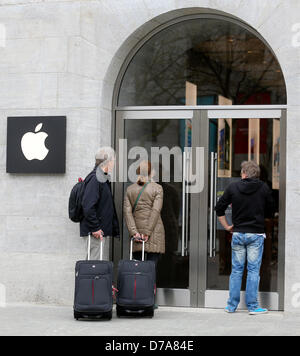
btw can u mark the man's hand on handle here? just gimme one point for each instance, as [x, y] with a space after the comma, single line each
[98, 235]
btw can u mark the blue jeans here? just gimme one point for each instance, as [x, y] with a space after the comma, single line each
[250, 247]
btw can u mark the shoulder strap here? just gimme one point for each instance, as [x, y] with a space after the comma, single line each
[139, 196]
[88, 177]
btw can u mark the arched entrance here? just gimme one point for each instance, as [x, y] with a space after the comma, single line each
[206, 84]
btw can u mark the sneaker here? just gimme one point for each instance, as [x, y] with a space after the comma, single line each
[227, 310]
[258, 311]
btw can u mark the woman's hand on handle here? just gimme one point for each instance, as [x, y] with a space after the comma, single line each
[137, 237]
[141, 237]
[145, 238]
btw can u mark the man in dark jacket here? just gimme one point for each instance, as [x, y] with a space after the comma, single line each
[100, 218]
[251, 201]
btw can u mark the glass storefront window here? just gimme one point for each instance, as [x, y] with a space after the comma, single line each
[235, 141]
[219, 57]
[173, 268]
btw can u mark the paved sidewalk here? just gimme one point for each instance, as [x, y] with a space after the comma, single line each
[52, 320]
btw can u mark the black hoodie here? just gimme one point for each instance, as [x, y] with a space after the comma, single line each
[251, 201]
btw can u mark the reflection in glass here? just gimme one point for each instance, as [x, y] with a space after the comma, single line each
[173, 268]
[217, 56]
[259, 136]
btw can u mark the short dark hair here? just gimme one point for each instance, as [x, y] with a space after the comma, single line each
[251, 169]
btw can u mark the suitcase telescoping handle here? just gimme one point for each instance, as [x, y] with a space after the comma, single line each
[89, 249]
[131, 249]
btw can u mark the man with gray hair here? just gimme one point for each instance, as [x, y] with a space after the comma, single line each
[252, 202]
[100, 217]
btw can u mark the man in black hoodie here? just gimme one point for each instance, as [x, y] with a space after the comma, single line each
[252, 202]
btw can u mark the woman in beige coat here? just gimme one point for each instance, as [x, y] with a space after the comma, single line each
[145, 221]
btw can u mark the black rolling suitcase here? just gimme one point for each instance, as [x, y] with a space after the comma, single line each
[93, 288]
[136, 287]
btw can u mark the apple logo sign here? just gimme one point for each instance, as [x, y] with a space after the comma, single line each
[33, 144]
[36, 144]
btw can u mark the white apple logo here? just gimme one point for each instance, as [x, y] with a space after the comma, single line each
[33, 144]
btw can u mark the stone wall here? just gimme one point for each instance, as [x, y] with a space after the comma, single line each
[62, 58]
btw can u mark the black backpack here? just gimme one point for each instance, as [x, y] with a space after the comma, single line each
[75, 200]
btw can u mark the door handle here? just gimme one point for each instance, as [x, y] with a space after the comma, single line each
[187, 199]
[183, 205]
[213, 201]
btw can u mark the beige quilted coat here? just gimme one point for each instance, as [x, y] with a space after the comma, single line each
[146, 219]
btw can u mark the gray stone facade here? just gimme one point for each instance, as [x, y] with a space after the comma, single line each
[63, 58]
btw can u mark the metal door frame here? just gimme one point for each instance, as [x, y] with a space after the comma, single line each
[179, 297]
[275, 300]
[199, 296]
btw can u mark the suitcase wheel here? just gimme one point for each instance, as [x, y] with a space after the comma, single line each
[104, 316]
[77, 315]
[109, 315]
[138, 313]
[149, 313]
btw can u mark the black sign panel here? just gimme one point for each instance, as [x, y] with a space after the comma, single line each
[36, 144]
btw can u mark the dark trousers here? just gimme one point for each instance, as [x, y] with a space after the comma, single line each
[149, 256]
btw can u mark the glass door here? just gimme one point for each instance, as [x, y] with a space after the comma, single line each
[166, 139]
[235, 137]
[209, 143]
